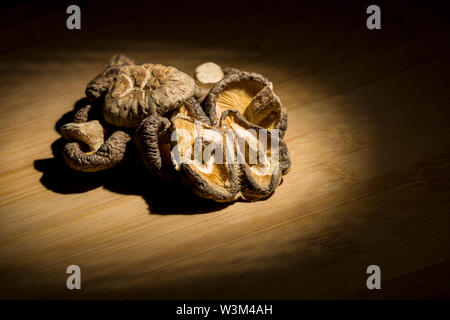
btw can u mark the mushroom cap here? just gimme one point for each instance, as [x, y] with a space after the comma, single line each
[138, 91]
[250, 94]
[98, 86]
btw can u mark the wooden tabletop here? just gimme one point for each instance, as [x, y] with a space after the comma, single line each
[368, 135]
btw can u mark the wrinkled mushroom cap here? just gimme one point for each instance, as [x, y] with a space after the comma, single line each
[98, 86]
[139, 91]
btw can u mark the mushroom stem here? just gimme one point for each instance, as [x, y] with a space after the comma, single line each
[206, 75]
[91, 133]
[154, 147]
[82, 114]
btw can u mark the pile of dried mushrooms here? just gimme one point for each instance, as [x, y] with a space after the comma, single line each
[220, 132]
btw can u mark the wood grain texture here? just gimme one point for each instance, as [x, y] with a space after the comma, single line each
[368, 134]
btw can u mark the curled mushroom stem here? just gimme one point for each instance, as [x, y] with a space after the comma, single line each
[91, 133]
[110, 154]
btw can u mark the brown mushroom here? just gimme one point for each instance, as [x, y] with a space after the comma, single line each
[98, 86]
[139, 91]
[89, 152]
[250, 94]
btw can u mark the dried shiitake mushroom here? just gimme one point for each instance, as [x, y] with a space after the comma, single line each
[141, 90]
[229, 149]
[250, 94]
[89, 152]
